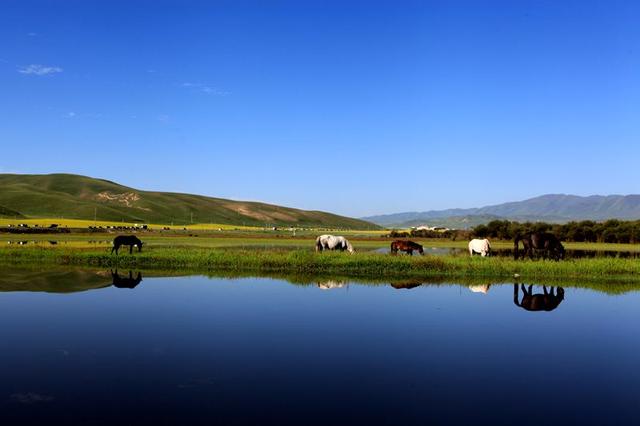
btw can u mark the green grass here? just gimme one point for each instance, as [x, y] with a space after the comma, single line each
[307, 262]
[249, 239]
[55, 270]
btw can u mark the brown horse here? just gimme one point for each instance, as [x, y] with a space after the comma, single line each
[547, 301]
[406, 246]
[539, 242]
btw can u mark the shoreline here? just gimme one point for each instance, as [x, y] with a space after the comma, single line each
[308, 263]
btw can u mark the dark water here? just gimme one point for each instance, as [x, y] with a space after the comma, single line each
[194, 350]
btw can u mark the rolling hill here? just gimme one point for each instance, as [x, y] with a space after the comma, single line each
[550, 208]
[80, 197]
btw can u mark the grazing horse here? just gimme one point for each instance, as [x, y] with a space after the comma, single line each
[406, 246]
[332, 242]
[124, 282]
[481, 247]
[126, 240]
[543, 242]
[546, 301]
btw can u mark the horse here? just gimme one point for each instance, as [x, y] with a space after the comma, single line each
[546, 301]
[406, 246]
[481, 247]
[332, 242]
[126, 240]
[545, 242]
[124, 282]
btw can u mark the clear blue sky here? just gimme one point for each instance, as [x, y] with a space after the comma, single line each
[354, 107]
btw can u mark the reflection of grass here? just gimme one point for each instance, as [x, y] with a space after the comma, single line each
[303, 262]
[74, 279]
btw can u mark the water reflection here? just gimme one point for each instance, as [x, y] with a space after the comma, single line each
[331, 284]
[482, 288]
[406, 285]
[124, 281]
[546, 301]
[207, 350]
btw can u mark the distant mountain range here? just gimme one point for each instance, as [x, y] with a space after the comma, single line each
[550, 208]
[81, 197]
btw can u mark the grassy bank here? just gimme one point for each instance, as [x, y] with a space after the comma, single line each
[306, 262]
[266, 239]
[72, 279]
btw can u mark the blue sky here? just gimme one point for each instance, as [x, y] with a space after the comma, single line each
[354, 107]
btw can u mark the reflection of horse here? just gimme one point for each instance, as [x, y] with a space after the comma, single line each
[406, 246]
[331, 284]
[547, 301]
[408, 285]
[124, 282]
[332, 242]
[481, 247]
[126, 240]
[545, 242]
[483, 288]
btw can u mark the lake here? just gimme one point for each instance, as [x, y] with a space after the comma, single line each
[199, 350]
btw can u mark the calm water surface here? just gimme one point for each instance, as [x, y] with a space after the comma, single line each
[195, 350]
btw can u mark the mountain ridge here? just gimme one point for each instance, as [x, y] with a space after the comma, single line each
[548, 207]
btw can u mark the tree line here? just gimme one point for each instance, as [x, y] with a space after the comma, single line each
[610, 231]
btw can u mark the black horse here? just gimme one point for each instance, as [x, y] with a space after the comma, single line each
[126, 240]
[124, 282]
[546, 301]
[543, 242]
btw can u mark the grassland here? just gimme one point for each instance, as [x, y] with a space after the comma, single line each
[252, 237]
[257, 251]
[306, 262]
[85, 223]
[79, 197]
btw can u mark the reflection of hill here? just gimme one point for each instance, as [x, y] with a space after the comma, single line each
[53, 280]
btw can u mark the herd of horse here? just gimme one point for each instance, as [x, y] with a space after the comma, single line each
[533, 243]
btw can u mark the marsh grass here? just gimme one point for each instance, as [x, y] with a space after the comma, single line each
[305, 262]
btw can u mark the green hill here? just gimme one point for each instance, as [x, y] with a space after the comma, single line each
[80, 197]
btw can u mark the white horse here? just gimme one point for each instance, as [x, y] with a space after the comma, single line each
[481, 247]
[332, 242]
